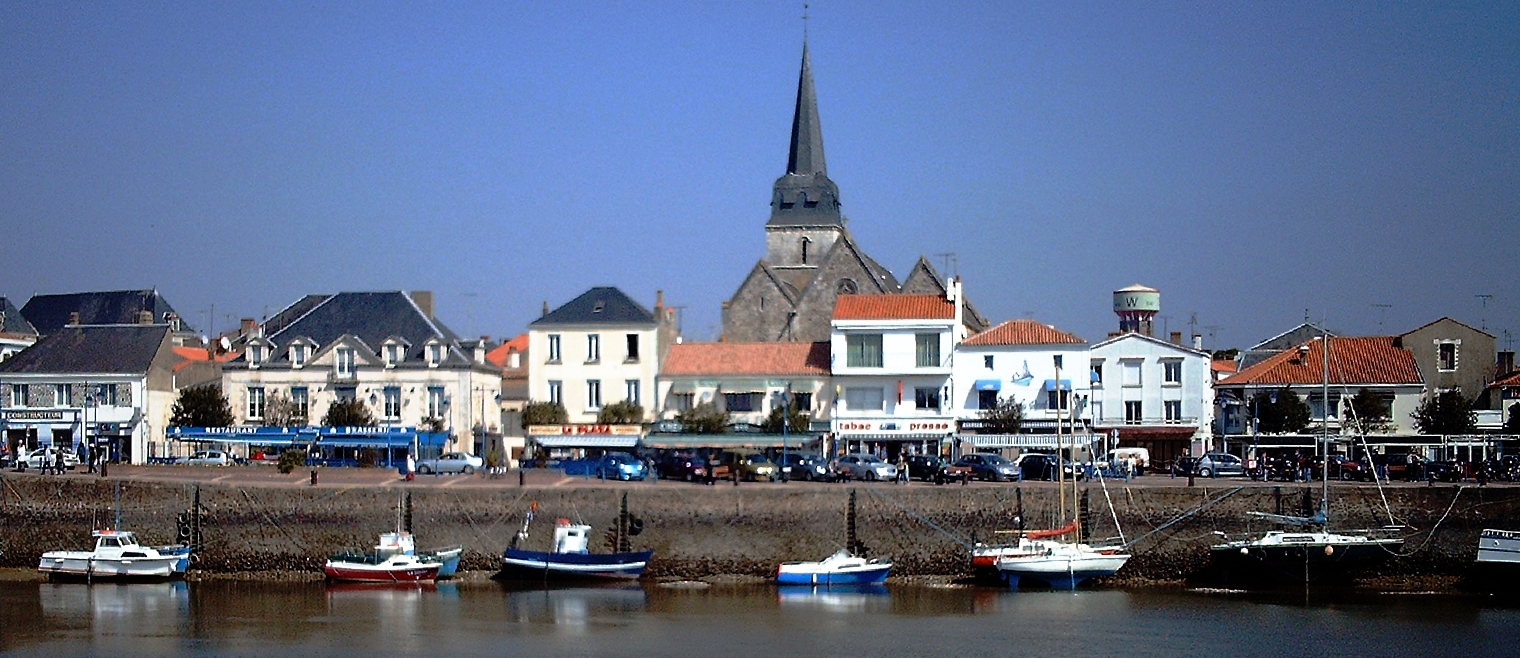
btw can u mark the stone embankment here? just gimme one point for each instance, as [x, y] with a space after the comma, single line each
[699, 531]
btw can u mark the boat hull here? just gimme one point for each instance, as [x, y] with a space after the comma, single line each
[808, 574]
[448, 559]
[519, 564]
[1308, 562]
[1497, 568]
[83, 565]
[1061, 572]
[370, 573]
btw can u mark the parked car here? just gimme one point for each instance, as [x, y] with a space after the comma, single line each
[860, 466]
[1401, 466]
[1215, 464]
[804, 467]
[752, 466]
[35, 458]
[1037, 466]
[621, 466]
[450, 462]
[682, 466]
[1139, 458]
[926, 467]
[1342, 468]
[209, 458]
[987, 466]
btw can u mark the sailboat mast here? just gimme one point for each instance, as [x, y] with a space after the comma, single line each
[1324, 496]
[1060, 445]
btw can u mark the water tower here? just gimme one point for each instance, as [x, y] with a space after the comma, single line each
[1137, 307]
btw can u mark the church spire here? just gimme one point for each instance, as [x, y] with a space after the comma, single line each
[806, 156]
[804, 195]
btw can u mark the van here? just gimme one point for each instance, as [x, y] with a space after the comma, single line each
[1140, 456]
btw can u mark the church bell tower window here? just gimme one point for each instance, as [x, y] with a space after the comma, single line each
[806, 243]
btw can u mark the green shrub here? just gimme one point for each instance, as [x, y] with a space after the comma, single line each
[291, 459]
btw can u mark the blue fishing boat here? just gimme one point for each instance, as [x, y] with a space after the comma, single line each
[841, 568]
[569, 559]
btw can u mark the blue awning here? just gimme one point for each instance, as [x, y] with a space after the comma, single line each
[1050, 384]
[989, 385]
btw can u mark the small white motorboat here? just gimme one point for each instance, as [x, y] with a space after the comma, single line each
[393, 560]
[841, 568]
[1060, 564]
[117, 555]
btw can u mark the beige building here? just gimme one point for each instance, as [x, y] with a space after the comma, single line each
[598, 349]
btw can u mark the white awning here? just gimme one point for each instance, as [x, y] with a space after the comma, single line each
[587, 441]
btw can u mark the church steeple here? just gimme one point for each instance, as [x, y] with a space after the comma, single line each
[804, 195]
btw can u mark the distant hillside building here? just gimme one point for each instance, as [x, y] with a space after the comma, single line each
[811, 258]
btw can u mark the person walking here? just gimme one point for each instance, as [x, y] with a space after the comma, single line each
[411, 467]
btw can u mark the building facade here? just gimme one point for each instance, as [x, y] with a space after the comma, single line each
[598, 349]
[383, 349]
[747, 380]
[1038, 366]
[1151, 393]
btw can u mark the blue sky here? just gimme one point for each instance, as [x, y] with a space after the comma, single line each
[1252, 161]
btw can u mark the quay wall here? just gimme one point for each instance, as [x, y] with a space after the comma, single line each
[699, 531]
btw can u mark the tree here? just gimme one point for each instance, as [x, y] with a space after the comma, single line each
[280, 411]
[201, 406]
[1226, 355]
[1280, 412]
[621, 413]
[1446, 413]
[348, 413]
[544, 413]
[1369, 412]
[1006, 418]
[797, 422]
[705, 418]
[433, 424]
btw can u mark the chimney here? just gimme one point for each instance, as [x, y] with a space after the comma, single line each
[659, 302]
[1506, 363]
[173, 320]
[480, 350]
[424, 300]
[73, 317]
[1198, 342]
[247, 326]
[546, 308]
[1177, 338]
[145, 317]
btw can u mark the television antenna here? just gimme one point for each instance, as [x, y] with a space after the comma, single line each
[1382, 313]
[949, 264]
[1483, 321]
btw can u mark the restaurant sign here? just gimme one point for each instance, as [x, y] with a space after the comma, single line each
[582, 429]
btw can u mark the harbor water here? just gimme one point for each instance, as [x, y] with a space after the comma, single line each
[237, 618]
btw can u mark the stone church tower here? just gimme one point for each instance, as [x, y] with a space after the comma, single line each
[810, 256]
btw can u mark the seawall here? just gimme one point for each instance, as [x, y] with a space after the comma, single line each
[699, 531]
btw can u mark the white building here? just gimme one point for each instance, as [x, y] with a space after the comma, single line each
[893, 357]
[1151, 393]
[597, 349]
[384, 349]
[1018, 360]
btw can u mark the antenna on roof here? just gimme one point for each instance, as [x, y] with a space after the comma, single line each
[1483, 321]
[950, 264]
[1382, 313]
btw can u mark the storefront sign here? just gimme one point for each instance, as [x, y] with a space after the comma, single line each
[35, 415]
[574, 430]
[898, 426]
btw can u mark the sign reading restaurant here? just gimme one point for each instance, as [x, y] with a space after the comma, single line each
[582, 429]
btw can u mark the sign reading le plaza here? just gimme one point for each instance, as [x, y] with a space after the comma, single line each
[573, 430]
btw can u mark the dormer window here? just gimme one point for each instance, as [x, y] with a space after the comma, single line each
[393, 355]
[434, 354]
[298, 355]
[343, 361]
[255, 355]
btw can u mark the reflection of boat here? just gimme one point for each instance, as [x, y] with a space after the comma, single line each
[117, 555]
[838, 569]
[574, 606]
[570, 559]
[394, 560]
[836, 597]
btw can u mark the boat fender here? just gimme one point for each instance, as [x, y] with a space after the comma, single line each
[1245, 551]
[1329, 550]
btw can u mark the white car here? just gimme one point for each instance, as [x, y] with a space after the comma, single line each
[35, 458]
[861, 466]
[451, 462]
[209, 458]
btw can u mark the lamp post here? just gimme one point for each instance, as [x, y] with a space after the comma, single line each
[786, 421]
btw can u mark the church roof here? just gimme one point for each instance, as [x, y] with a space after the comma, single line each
[603, 305]
[804, 195]
[716, 359]
[893, 307]
[1022, 332]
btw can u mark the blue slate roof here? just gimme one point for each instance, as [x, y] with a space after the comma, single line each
[604, 305]
[49, 313]
[11, 320]
[106, 349]
[371, 316]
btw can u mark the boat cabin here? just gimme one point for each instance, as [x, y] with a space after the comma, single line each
[570, 538]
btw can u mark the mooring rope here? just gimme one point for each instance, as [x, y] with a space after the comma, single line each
[1186, 515]
[963, 542]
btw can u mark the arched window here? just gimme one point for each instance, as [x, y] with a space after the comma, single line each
[806, 244]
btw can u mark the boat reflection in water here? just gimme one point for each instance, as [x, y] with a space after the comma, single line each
[104, 611]
[573, 609]
[843, 598]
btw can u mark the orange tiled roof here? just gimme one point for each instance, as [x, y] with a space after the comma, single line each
[498, 356]
[1022, 332]
[1224, 365]
[714, 359]
[893, 307]
[190, 355]
[1363, 360]
[1512, 379]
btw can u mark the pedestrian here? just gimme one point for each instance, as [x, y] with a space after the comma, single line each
[58, 462]
[902, 469]
[411, 467]
[90, 456]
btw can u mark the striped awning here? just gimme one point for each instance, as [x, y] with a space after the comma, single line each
[724, 441]
[586, 440]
